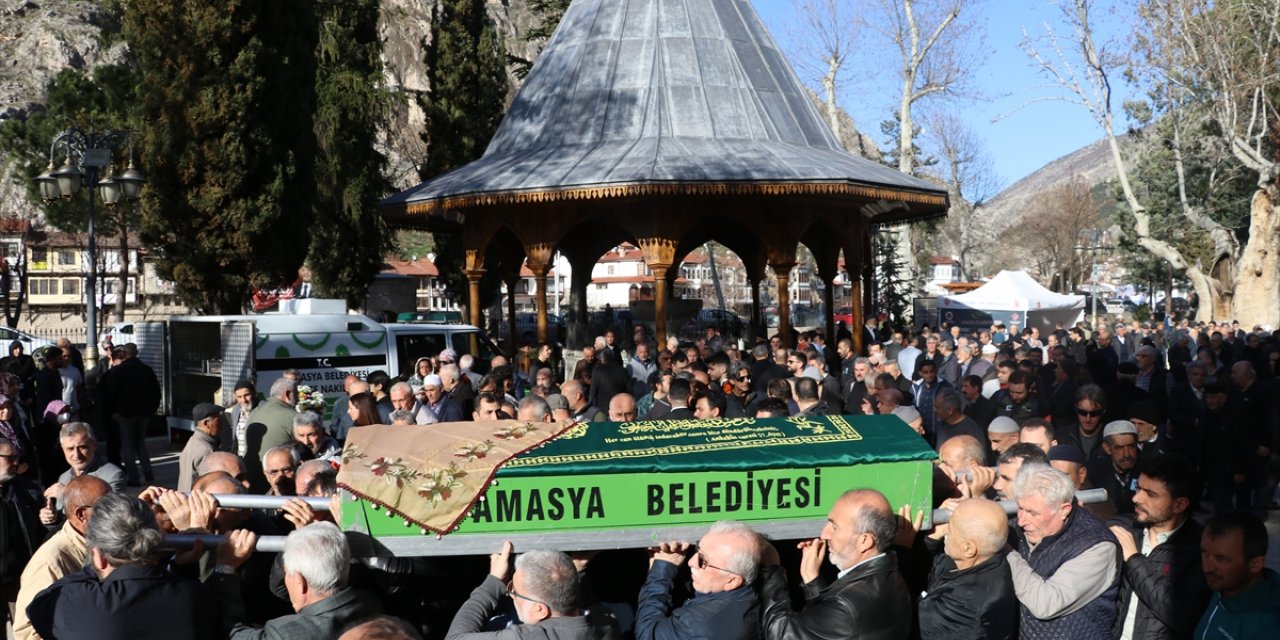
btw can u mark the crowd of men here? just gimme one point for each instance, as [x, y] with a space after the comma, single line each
[1178, 424]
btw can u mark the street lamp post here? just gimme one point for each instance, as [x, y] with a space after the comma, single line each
[92, 151]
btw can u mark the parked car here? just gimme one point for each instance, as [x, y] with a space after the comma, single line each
[527, 328]
[845, 315]
[728, 323]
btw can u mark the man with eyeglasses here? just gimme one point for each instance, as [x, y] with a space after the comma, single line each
[544, 591]
[1091, 404]
[868, 599]
[279, 465]
[723, 566]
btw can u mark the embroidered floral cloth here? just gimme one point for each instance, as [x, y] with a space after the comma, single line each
[430, 476]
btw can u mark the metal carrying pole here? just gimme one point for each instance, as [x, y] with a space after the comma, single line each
[487, 543]
[187, 541]
[1089, 496]
[247, 501]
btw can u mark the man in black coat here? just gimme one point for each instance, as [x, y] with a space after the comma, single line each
[1117, 470]
[20, 530]
[869, 598]
[131, 395]
[1162, 587]
[608, 379]
[970, 593]
[124, 594]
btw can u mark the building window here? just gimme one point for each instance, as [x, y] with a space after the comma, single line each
[70, 286]
[610, 270]
[66, 258]
[601, 287]
[43, 287]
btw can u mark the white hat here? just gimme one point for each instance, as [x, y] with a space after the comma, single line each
[432, 380]
[990, 349]
[1119, 428]
[1003, 424]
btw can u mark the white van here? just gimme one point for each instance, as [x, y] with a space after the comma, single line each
[195, 357]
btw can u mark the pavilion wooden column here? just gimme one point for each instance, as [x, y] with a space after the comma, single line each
[474, 270]
[539, 260]
[512, 333]
[783, 273]
[659, 254]
[868, 275]
[855, 306]
[829, 311]
[756, 323]
[782, 257]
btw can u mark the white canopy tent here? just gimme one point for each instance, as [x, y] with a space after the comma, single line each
[1014, 299]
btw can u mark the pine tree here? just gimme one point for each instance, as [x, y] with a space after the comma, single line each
[349, 238]
[227, 91]
[464, 106]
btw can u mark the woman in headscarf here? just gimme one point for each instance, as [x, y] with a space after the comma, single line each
[11, 429]
[421, 369]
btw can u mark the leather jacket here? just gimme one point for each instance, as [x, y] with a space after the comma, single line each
[870, 602]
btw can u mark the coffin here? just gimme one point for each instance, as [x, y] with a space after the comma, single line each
[620, 485]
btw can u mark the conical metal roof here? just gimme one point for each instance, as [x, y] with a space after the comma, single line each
[665, 97]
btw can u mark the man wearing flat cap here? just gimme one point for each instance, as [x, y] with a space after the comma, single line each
[1115, 471]
[1146, 418]
[206, 419]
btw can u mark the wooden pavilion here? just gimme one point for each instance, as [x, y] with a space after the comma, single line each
[666, 124]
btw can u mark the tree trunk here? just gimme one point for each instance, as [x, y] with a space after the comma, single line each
[1205, 291]
[829, 87]
[1257, 283]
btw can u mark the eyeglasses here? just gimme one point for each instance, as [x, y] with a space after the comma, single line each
[446, 362]
[511, 593]
[1089, 414]
[744, 378]
[699, 561]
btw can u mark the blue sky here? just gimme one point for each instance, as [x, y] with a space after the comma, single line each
[1019, 143]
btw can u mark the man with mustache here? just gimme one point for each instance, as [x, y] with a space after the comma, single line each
[1162, 587]
[868, 599]
[1115, 471]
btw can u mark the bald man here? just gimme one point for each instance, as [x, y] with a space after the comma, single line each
[226, 462]
[868, 598]
[622, 408]
[64, 553]
[962, 459]
[970, 592]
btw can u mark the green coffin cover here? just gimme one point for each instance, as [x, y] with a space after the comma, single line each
[642, 475]
[726, 444]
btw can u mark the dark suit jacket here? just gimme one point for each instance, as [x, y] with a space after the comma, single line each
[870, 602]
[681, 413]
[608, 380]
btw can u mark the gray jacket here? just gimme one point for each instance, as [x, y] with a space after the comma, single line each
[471, 618]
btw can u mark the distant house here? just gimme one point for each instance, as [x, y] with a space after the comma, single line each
[58, 268]
[620, 278]
[942, 270]
[428, 289]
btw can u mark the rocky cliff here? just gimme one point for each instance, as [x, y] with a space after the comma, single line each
[39, 38]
